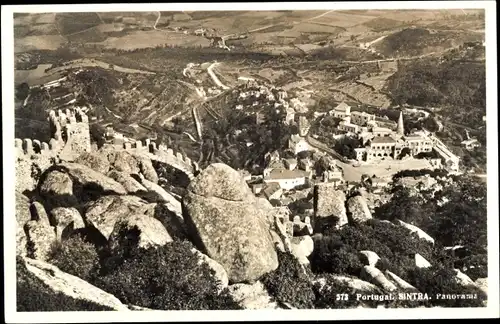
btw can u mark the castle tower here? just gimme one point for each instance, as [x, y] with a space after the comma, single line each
[72, 128]
[401, 127]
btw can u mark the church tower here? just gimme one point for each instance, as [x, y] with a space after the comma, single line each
[401, 127]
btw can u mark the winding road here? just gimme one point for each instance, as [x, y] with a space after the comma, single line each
[214, 76]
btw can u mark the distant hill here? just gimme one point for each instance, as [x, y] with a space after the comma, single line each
[417, 41]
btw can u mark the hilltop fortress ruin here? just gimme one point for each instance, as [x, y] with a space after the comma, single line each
[70, 137]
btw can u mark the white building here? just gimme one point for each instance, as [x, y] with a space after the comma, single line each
[298, 144]
[471, 144]
[287, 179]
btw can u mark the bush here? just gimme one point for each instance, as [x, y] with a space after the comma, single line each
[164, 278]
[328, 296]
[76, 257]
[34, 296]
[436, 281]
[289, 284]
[331, 255]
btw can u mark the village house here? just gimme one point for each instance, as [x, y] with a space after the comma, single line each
[471, 144]
[287, 179]
[297, 144]
[290, 164]
[272, 190]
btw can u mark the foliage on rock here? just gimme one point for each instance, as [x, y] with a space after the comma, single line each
[164, 278]
[289, 283]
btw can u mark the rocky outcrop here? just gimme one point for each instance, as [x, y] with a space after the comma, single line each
[463, 279]
[369, 258]
[414, 229]
[302, 247]
[23, 215]
[421, 262]
[328, 202]
[482, 283]
[92, 180]
[253, 296]
[221, 181]
[169, 218]
[235, 231]
[131, 185]
[38, 212]
[105, 212]
[219, 272]
[123, 161]
[40, 239]
[358, 210]
[156, 193]
[70, 286]
[95, 161]
[57, 189]
[65, 220]
[148, 231]
[400, 283]
[147, 170]
[376, 277]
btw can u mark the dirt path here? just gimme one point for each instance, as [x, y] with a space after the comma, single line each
[214, 76]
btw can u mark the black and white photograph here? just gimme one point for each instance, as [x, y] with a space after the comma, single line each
[338, 158]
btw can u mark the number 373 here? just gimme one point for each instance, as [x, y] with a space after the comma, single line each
[342, 297]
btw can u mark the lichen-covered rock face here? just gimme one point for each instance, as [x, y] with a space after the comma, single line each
[221, 181]
[70, 286]
[156, 193]
[328, 201]
[66, 220]
[23, 215]
[85, 176]
[57, 189]
[123, 161]
[105, 212]
[149, 230]
[358, 210]
[169, 217]
[229, 225]
[95, 161]
[128, 182]
[147, 170]
[41, 237]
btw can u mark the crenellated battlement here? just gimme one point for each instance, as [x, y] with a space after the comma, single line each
[67, 116]
[163, 154]
[27, 147]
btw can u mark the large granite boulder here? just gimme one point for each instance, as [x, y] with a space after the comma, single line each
[421, 262]
[358, 210]
[156, 193]
[23, 215]
[252, 296]
[123, 161]
[94, 160]
[147, 169]
[376, 277]
[235, 231]
[131, 185]
[69, 286]
[169, 217]
[369, 257]
[105, 212]
[148, 231]
[328, 202]
[414, 229]
[38, 212]
[482, 283]
[400, 283]
[41, 238]
[221, 181]
[92, 180]
[66, 220]
[56, 188]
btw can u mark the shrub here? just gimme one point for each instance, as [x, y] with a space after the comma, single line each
[165, 278]
[436, 281]
[34, 296]
[76, 257]
[289, 283]
[331, 255]
[328, 296]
